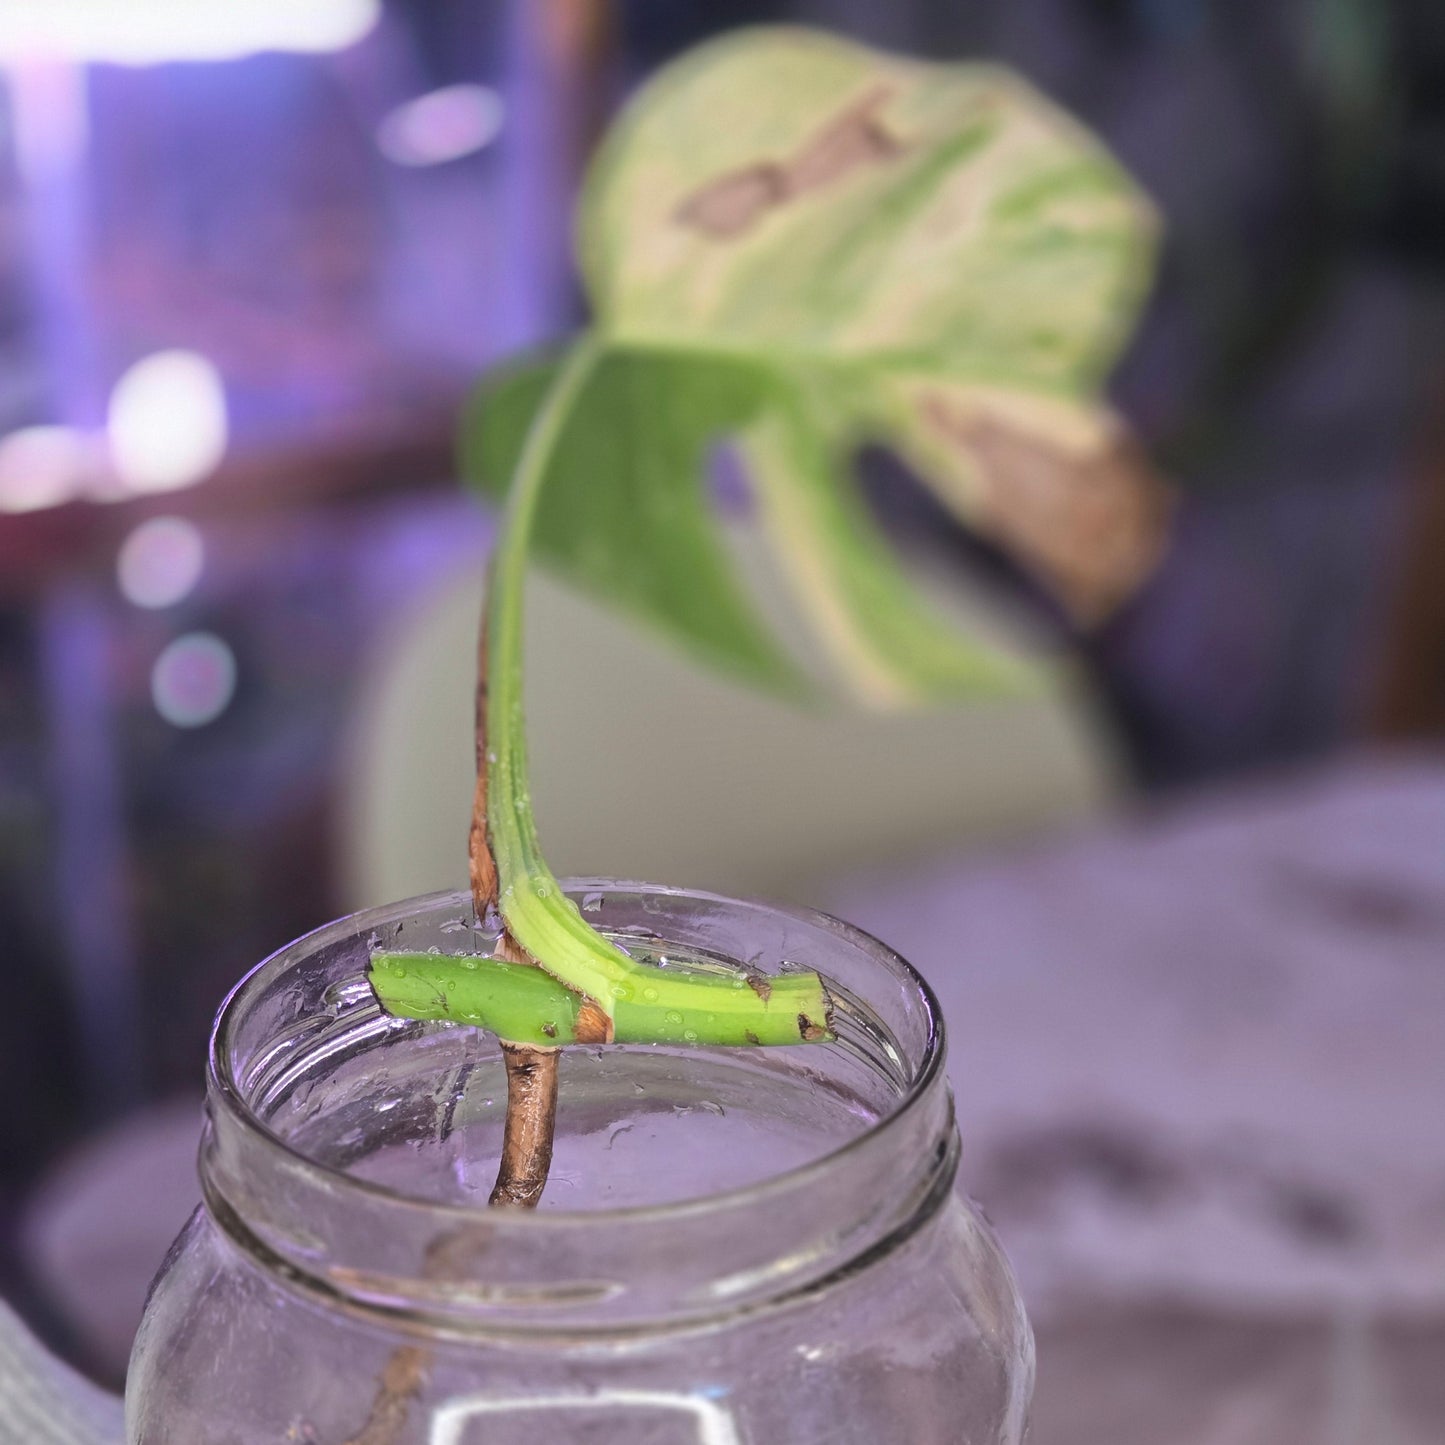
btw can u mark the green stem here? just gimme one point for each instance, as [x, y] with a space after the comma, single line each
[641, 1003]
[526, 1005]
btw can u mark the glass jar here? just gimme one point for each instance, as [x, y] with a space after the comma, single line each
[737, 1246]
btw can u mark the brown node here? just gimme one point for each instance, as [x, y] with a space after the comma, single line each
[594, 1024]
[509, 950]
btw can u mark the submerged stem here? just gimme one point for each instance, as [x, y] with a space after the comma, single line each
[531, 1125]
[531, 1121]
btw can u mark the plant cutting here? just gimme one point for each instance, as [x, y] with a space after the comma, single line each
[797, 246]
[793, 247]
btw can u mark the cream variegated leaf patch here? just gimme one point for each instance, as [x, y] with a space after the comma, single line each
[792, 193]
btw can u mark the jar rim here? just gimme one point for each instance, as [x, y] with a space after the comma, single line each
[920, 1079]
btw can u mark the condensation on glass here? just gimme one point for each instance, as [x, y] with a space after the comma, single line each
[738, 1247]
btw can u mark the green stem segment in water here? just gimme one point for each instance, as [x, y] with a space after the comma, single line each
[587, 989]
[526, 1005]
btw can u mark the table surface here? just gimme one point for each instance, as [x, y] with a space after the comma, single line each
[1200, 1052]
[1199, 1056]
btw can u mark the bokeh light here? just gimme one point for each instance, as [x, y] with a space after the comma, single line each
[144, 32]
[193, 680]
[167, 422]
[41, 466]
[160, 562]
[442, 125]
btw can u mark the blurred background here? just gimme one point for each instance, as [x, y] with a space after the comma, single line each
[251, 259]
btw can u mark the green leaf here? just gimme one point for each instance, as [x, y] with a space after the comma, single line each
[911, 228]
[626, 511]
[626, 515]
[803, 244]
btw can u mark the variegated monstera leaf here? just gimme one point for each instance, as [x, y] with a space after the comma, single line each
[802, 245]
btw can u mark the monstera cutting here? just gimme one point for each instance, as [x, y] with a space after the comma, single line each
[796, 246]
